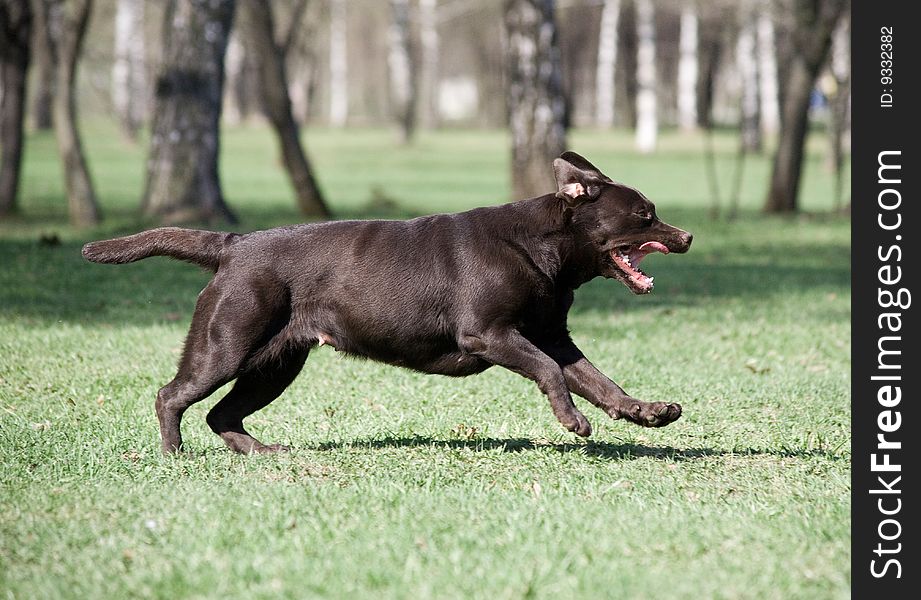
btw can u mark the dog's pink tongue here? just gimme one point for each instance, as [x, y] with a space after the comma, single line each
[654, 247]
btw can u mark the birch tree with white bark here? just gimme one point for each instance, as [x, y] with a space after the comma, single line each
[746, 65]
[400, 64]
[767, 73]
[688, 69]
[429, 44]
[129, 79]
[338, 64]
[607, 60]
[749, 102]
[647, 124]
[233, 110]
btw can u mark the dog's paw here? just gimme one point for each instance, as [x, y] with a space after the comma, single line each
[653, 414]
[578, 424]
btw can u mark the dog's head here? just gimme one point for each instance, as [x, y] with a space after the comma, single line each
[619, 222]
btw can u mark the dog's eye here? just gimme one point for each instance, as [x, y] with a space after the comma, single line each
[644, 215]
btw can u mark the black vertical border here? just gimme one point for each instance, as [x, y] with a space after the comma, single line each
[876, 129]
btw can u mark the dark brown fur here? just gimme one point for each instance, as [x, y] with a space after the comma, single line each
[451, 294]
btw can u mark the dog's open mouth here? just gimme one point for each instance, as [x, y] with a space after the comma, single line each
[627, 260]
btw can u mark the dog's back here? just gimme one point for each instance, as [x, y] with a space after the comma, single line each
[395, 291]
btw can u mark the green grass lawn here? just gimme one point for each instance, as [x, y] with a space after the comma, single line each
[407, 485]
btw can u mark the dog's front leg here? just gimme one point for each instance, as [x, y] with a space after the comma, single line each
[508, 348]
[583, 378]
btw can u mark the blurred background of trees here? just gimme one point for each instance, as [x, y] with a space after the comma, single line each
[171, 71]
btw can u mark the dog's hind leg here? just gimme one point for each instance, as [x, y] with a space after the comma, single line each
[254, 390]
[231, 320]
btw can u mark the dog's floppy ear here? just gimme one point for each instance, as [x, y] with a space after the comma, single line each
[577, 179]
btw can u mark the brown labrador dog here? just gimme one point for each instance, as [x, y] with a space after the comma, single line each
[451, 294]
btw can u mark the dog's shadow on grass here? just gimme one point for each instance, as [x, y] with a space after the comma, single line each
[605, 450]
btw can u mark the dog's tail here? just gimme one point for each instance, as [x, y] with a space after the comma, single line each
[191, 245]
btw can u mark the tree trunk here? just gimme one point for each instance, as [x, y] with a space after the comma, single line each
[242, 97]
[710, 49]
[128, 73]
[788, 159]
[287, 39]
[44, 21]
[784, 52]
[81, 196]
[15, 29]
[687, 70]
[428, 67]
[767, 73]
[234, 104]
[647, 124]
[300, 50]
[667, 27]
[840, 106]
[259, 23]
[626, 38]
[182, 168]
[749, 108]
[536, 107]
[402, 70]
[750, 113]
[338, 65]
[607, 61]
[815, 22]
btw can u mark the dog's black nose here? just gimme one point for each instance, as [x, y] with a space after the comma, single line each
[688, 238]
